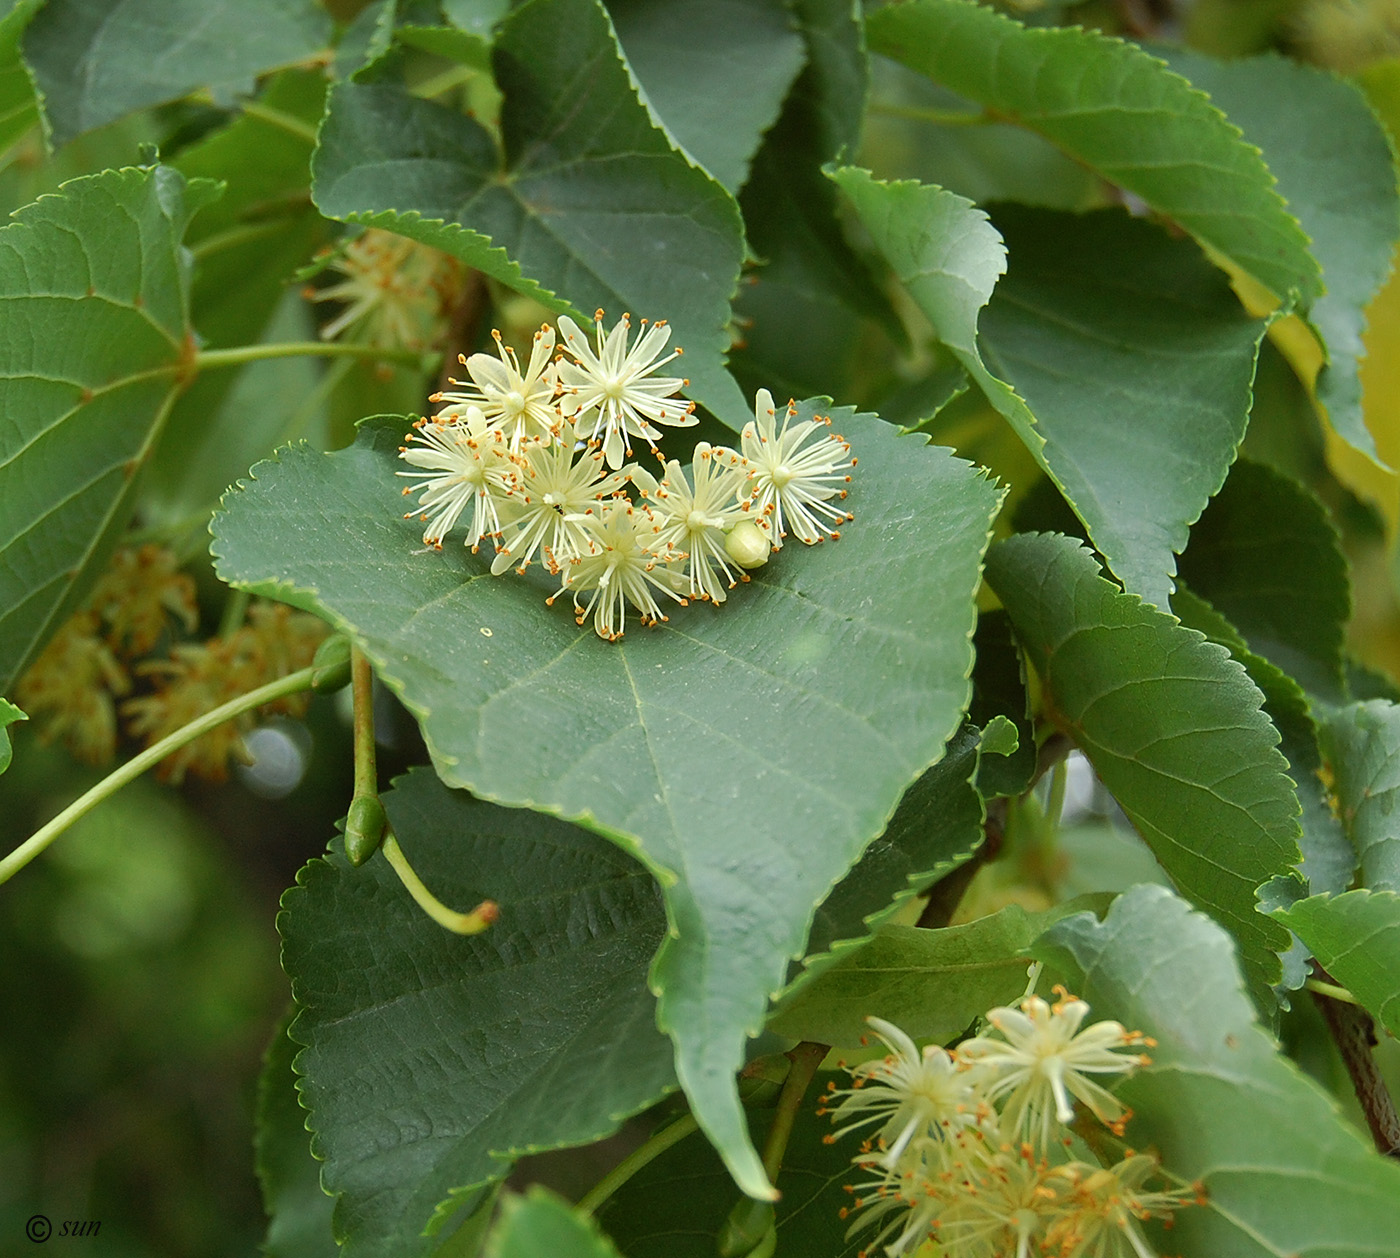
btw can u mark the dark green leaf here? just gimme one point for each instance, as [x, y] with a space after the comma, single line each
[9, 714]
[714, 71]
[1121, 112]
[298, 1210]
[1335, 169]
[541, 1224]
[676, 1206]
[999, 690]
[1219, 1102]
[96, 338]
[94, 61]
[1266, 555]
[434, 1059]
[1173, 728]
[749, 754]
[1361, 744]
[1356, 938]
[586, 176]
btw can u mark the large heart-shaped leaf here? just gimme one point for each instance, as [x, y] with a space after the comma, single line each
[1119, 111]
[747, 753]
[431, 1059]
[1219, 1102]
[1173, 728]
[1334, 165]
[95, 348]
[1119, 355]
[95, 61]
[587, 175]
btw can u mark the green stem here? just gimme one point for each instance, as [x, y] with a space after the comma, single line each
[234, 611]
[315, 399]
[939, 117]
[1330, 989]
[473, 923]
[153, 755]
[240, 354]
[455, 76]
[235, 236]
[1055, 804]
[362, 692]
[289, 123]
[806, 1057]
[659, 1142]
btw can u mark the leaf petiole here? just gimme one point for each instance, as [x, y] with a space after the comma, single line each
[473, 923]
[237, 355]
[153, 755]
[660, 1141]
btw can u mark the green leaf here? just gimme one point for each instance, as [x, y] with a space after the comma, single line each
[94, 61]
[1356, 938]
[749, 754]
[933, 984]
[1219, 1102]
[936, 828]
[1120, 111]
[586, 175]
[1261, 524]
[97, 339]
[19, 110]
[536, 1035]
[298, 1210]
[1101, 316]
[715, 73]
[1335, 169]
[1173, 728]
[999, 692]
[540, 1223]
[247, 247]
[1361, 745]
[475, 16]
[9, 714]
[676, 1206]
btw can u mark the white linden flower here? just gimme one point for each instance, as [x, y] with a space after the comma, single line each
[461, 465]
[914, 1095]
[520, 403]
[614, 388]
[795, 473]
[553, 489]
[396, 291]
[1104, 1205]
[624, 561]
[1043, 1059]
[695, 521]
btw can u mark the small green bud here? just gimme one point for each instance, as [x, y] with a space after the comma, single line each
[365, 825]
[747, 545]
[332, 665]
[749, 1231]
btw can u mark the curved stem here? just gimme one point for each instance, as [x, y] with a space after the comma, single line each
[659, 1142]
[1330, 989]
[288, 122]
[939, 117]
[472, 923]
[237, 355]
[806, 1057]
[362, 693]
[153, 755]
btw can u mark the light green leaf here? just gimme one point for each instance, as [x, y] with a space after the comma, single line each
[1335, 168]
[1259, 525]
[1120, 111]
[1361, 745]
[715, 73]
[586, 175]
[94, 61]
[1173, 728]
[930, 983]
[9, 714]
[541, 1223]
[96, 340]
[749, 754]
[19, 110]
[1219, 1102]
[536, 1035]
[1119, 355]
[1356, 938]
[298, 1211]
[936, 828]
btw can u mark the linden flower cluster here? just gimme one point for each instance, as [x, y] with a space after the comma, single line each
[968, 1155]
[534, 459]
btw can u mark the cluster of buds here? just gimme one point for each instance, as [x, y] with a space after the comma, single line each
[536, 461]
[969, 1151]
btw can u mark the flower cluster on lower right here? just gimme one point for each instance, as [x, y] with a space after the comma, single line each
[969, 1156]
